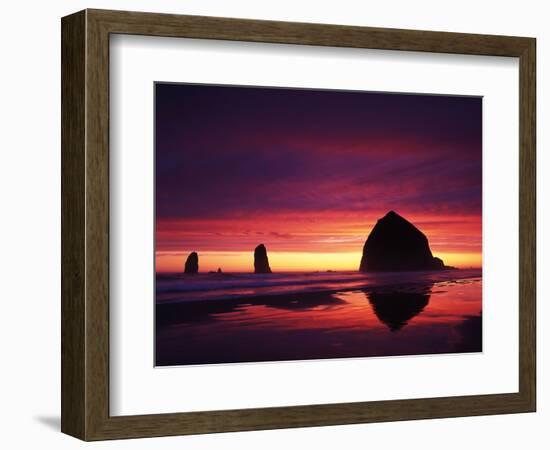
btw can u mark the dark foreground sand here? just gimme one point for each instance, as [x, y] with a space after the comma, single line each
[400, 319]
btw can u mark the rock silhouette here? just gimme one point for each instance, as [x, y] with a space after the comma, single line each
[261, 262]
[192, 263]
[395, 244]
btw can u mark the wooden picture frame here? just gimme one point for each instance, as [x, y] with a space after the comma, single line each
[85, 224]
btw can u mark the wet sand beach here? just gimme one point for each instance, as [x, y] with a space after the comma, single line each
[240, 318]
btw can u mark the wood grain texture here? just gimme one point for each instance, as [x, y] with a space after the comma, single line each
[527, 223]
[85, 224]
[73, 226]
[97, 225]
[151, 24]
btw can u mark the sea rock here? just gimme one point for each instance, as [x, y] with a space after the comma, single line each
[395, 244]
[192, 263]
[261, 262]
[438, 263]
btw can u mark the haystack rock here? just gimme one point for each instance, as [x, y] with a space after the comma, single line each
[395, 244]
[192, 263]
[261, 263]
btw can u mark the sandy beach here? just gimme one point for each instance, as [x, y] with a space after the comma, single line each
[235, 318]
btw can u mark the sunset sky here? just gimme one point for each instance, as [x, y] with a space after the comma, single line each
[308, 173]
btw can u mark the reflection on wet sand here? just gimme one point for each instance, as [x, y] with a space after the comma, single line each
[419, 319]
[395, 309]
[203, 311]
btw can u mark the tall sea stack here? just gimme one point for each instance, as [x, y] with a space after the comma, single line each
[192, 263]
[395, 244]
[261, 263]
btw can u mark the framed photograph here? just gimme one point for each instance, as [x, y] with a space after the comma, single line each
[272, 224]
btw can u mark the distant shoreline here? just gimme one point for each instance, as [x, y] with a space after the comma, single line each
[306, 272]
[211, 292]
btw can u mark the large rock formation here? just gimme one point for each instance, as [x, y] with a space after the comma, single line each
[261, 263]
[192, 263]
[395, 244]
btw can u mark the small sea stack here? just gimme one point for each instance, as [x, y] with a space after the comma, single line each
[261, 262]
[394, 245]
[192, 263]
